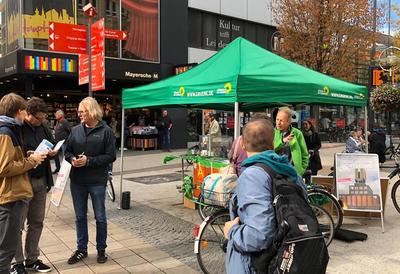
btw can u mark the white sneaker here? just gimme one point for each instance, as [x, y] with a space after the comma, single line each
[125, 148]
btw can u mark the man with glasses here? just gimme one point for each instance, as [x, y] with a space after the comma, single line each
[33, 132]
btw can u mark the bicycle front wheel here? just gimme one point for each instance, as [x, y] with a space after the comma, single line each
[325, 199]
[396, 195]
[110, 190]
[211, 246]
[325, 222]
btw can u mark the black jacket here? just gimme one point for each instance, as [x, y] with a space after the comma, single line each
[31, 137]
[98, 144]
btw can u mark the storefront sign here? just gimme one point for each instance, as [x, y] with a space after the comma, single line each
[183, 68]
[140, 75]
[98, 56]
[8, 65]
[50, 64]
[67, 38]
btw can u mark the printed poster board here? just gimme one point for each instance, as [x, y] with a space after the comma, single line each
[358, 181]
[60, 184]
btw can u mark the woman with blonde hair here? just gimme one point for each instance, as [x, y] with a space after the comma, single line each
[90, 150]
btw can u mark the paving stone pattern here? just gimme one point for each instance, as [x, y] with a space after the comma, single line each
[166, 232]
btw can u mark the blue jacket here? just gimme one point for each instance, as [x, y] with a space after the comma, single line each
[352, 146]
[257, 226]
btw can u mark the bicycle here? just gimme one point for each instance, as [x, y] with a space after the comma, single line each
[392, 152]
[395, 195]
[110, 187]
[323, 197]
[210, 244]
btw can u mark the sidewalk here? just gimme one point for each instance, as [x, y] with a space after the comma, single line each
[127, 253]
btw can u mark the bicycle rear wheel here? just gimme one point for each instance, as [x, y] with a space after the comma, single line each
[110, 190]
[205, 210]
[325, 199]
[396, 195]
[325, 221]
[211, 246]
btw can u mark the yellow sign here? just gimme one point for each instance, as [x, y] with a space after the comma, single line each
[37, 25]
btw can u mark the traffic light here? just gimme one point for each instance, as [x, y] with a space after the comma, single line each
[379, 77]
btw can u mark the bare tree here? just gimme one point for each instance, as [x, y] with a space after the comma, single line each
[330, 36]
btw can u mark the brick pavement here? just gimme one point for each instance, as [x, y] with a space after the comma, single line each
[127, 253]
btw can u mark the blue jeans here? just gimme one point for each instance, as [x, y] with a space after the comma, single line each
[80, 194]
[166, 139]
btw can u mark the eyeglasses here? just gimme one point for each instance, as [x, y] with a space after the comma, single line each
[81, 112]
[44, 116]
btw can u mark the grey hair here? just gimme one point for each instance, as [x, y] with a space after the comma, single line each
[61, 112]
[288, 111]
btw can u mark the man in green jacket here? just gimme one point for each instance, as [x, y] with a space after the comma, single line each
[289, 141]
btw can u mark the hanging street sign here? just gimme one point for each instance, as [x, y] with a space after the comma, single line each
[67, 38]
[98, 55]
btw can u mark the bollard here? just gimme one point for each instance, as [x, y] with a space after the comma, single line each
[126, 200]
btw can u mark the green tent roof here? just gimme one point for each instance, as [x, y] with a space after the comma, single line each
[246, 73]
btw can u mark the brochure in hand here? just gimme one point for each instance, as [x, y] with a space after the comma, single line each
[44, 147]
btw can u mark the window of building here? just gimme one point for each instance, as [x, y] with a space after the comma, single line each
[209, 32]
[140, 20]
[194, 28]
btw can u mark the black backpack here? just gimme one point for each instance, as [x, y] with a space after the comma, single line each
[299, 245]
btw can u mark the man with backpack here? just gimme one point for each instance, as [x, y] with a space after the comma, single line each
[256, 227]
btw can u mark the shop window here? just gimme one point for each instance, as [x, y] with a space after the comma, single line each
[141, 23]
[209, 39]
[194, 30]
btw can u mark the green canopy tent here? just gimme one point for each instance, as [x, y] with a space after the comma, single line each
[246, 75]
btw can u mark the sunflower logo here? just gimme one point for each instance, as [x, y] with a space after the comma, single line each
[228, 87]
[326, 90]
[182, 91]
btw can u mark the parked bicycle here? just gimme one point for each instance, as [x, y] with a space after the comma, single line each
[393, 152]
[210, 244]
[322, 196]
[395, 195]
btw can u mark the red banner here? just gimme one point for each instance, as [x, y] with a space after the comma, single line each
[67, 38]
[98, 56]
[115, 34]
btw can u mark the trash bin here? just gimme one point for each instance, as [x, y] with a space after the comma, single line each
[126, 200]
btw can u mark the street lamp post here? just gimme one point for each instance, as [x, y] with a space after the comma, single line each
[90, 12]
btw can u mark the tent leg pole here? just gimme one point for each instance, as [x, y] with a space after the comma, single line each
[237, 122]
[121, 159]
[366, 128]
